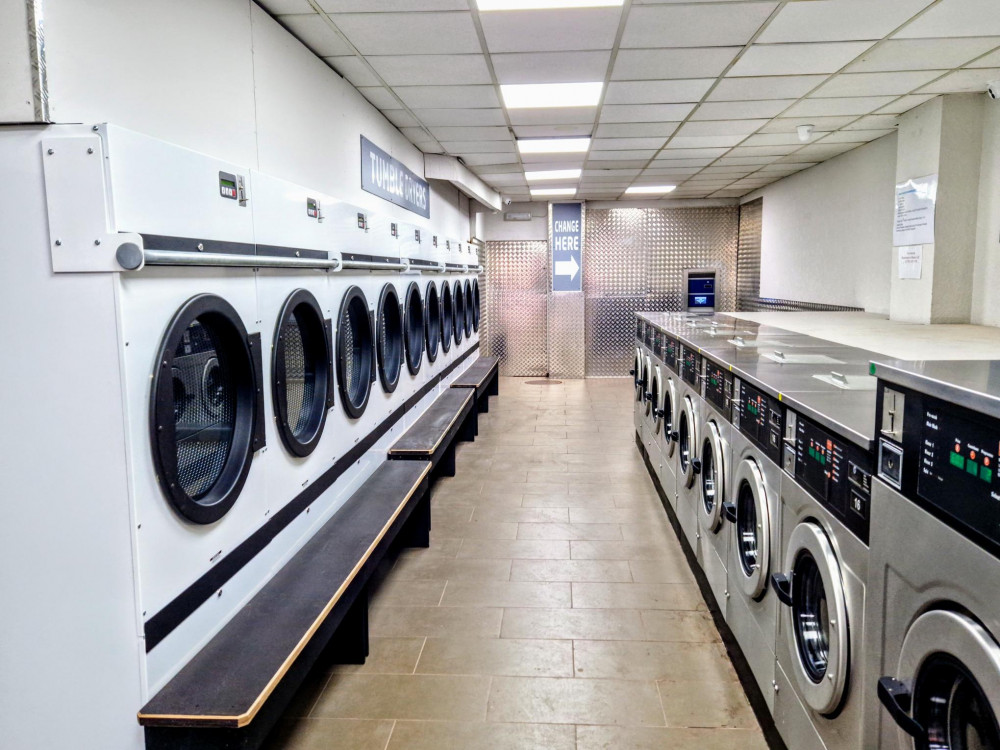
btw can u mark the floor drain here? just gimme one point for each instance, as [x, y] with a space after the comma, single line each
[543, 382]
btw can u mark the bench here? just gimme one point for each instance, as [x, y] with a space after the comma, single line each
[233, 691]
[433, 436]
[483, 376]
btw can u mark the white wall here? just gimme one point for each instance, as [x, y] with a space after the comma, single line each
[492, 227]
[827, 231]
[222, 77]
[986, 279]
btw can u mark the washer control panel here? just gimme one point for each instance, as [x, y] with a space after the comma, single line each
[671, 351]
[760, 417]
[640, 329]
[691, 364]
[836, 472]
[944, 458]
[718, 387]
[658, 344]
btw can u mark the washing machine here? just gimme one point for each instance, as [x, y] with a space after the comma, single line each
[687, 457]
[670, 349]
[640, 380]
[653, 420]
[934, 608]
[821, 570]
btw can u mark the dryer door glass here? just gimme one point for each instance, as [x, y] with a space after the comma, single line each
[640, 378]
[459, 297]
[712, 477]
[655, 404]
[355, 355]
[752, 528]
[432, 321]
[650, 378]
[447, 317]
[476, 311]
[389, 331]
[746, 529]
[414, 329]
[810, 617]
[950, 704]
[469, 307]
[684, 441]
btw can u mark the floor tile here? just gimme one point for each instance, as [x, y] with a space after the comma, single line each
[569, 531]
[712, 703]
[619, 550]
[661, 571]
[525, 549]
[666, 625]
[573, 701]
[497, 656]
[643, 738]
[506, 594]
[601, 624]
[651, 660]
[426, 697]
[396, 591]
[434, 621]
[437, 735]
[416, 569]
[570, 570]
[521, 515]
[330, 734]
[683, 596]
[387, 656]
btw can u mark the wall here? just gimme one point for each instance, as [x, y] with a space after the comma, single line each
[222, 77]
[827, 231]
[986, 279]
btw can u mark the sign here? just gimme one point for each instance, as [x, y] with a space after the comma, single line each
[914, 221]
[387, 178]
[911, 259]
[567, 247]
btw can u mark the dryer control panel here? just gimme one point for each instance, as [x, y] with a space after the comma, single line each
[691, 367]
[658, 344]
[671, 351]
[836, 472]
[719, 387]
[640, 329]
[760, 417]
[648, 335]
[944, 458]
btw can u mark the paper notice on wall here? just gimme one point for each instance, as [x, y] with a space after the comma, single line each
[911, 258]
[914, 221]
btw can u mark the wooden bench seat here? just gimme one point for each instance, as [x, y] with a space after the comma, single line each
[432, 437]
[483, 376]
[233, 691]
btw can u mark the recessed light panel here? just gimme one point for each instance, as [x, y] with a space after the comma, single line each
[553, 145]
[547, 95]
[545, 192]
[553, 174]
[650, 189]
[545, 4]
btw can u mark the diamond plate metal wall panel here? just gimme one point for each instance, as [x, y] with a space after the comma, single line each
[748, 257]
[514, 287]
[566, 335]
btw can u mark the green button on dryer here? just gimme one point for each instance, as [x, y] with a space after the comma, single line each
[972, 467]
[986, 474]
[957, 459]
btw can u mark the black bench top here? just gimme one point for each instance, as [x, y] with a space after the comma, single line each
[431, 430]
[478, 373]
[228, 681]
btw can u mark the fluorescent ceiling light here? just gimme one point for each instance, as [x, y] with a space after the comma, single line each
[650, 189]
[538, 95]
[543, 4]
[553, 174]
[540, 192]
[553, 145]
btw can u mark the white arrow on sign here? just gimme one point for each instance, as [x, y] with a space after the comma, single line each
[567, 267]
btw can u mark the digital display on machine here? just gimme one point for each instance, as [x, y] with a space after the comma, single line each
[760, 419]
[958, 465]
[690, 366]
[701, 291]
[718, 386]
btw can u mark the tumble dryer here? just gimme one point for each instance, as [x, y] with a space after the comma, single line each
[822, 571]
[933, 640]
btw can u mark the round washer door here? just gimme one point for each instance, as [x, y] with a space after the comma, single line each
[656, 400]
[954, 666]
[468, 309]
[301, 378]
[476, 311]
[458, 296]
[713, 477]
[203, 409]
[669, 416]
[648, 381]
[817, 618]
[687, 440]
[447, 317]
[413, 323]
[389, 332]
[640, 385]
[752, 528]
[432, 321]
[355, 352]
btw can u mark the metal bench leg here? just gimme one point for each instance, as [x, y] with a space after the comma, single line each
[350, 644]
[495, 385]
[446, 466]
[483, 401]
[470, 427]
[419, 524]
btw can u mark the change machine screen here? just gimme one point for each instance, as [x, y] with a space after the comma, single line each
[701, 292]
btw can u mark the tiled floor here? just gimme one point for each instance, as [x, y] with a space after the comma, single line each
[554, 609]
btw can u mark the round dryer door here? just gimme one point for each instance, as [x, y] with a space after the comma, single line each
[669, 417]
[638, 374]
[952, 666]
[468, 309]
[713, 477]
[474, 303]
[447, 317]
[389, 332]
[459, 300]
[648, 379]
[355, 352]
[753, 528]
[656, 399]
[817, 618]
[687, 442]
[432, 321]
[414, 324]
[204, 409]
[300, 372]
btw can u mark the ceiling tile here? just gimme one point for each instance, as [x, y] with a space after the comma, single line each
[503, 169]
[431, 70]
[876, 84]
[447, 97]
[676, 152]
[773, 139]
[657, 92]
[475, 147]
[631, 113]
[616, 163]
[545, 131]
[923, 54]
[641, 154]
[680, 166]
[857, 105]
[409, 33]
[549, 30]
[874, 122]
[658, 64]
[956, 18]
[400, 118]
[855, 136]
[379, 96]
[750, 161]
[839, 20]
[694, 25]
[353, 69]
[487, 160]
[492, 133]
[551, 67]
[681, 173]
[726, 171]
[728, 193]
[821, 124]
[961, 81]
[740, 110]
[624, 144]
[786, 168]
[797, 59]
[503, 179]
[817, 152]
[389, 6]
[765, 87]
[558, 161]
[553, 116]
[316, 34]
[591, 173]
[713, 141]
[636, 130]
[762, 150]
[720, 127]
[904, 104]
[988, 61]
[431, 117]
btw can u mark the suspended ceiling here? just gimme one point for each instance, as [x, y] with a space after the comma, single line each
[702, 94]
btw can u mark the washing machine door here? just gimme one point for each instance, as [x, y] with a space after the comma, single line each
[639, 373]
[648, 384]
[752, 526]
[656, 399]
[813, 592]
[687, 442]
[947, 691]
[713, 477]
[669, 400]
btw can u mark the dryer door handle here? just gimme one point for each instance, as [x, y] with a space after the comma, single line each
[897, 699]
[782, 588]
[729, 511]
[675, 436]
[631, 372]
[660, 413]
[648, 395]
[696, 466]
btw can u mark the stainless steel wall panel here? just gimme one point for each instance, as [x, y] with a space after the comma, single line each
[566, 335]
[516, 306]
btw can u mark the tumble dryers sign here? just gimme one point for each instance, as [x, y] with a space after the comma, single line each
[567, 247]
[387, 178]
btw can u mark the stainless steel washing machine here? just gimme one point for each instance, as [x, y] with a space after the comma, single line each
[935, 557]
[667, 439]
[687, 461]
[638, 373]
[823, 574]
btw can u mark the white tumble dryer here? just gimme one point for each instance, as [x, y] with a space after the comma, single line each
[687, 463]
[753, 518]
[934, 634]
[822, 572]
